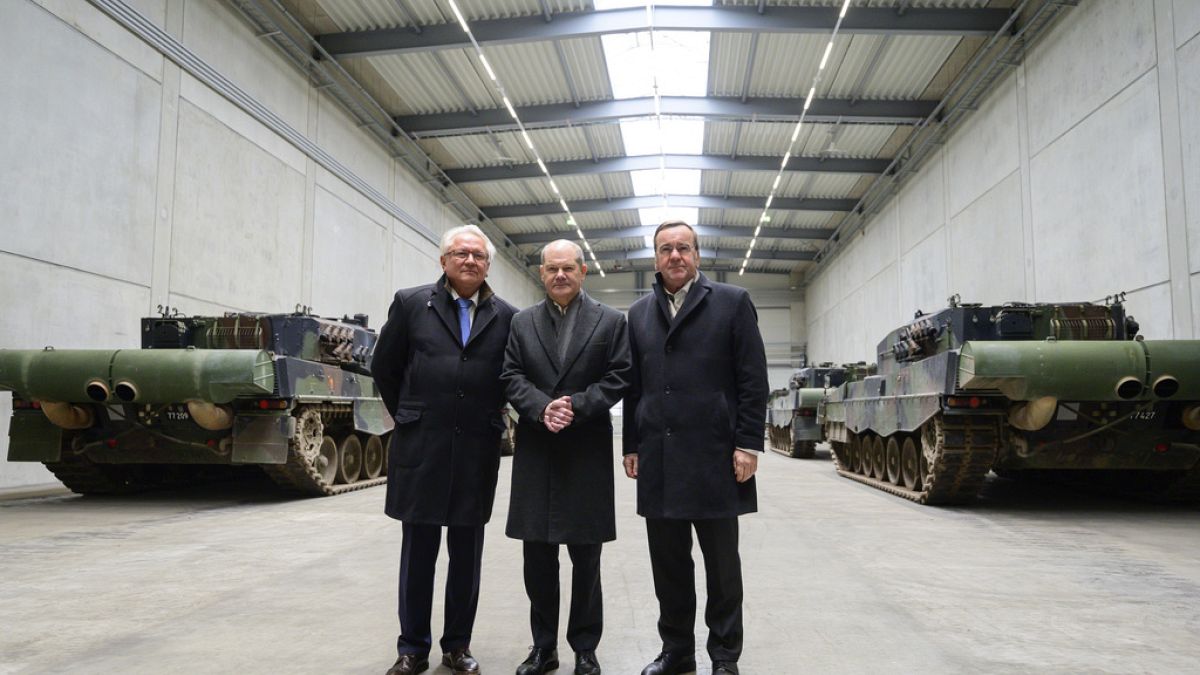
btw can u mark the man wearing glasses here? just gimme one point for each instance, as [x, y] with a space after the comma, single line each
[437, 364]
[693, 429]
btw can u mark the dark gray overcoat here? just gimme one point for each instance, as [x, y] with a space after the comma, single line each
[699, 389]
[446, 400]
[562, 484]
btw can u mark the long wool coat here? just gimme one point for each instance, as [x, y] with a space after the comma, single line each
[562, 484]
[446, 400]
[699, 390]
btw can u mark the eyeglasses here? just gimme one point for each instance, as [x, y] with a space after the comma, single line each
[461, 255]
[683, 249]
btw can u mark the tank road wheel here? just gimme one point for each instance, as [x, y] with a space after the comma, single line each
[372, 464]
[856, 453]
[349, 459]
[326, 461]
[878, 469]
[892, 460]
[867, 444]
[910, 467]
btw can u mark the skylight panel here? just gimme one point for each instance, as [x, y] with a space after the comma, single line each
[680, 58]
[601, 5]
[671, 181]
[658, 214]
[678, 136]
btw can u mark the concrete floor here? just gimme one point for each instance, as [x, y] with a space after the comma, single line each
[839, 579]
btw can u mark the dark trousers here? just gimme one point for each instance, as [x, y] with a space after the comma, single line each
[418, 557]
[675, 584]
[586, 620]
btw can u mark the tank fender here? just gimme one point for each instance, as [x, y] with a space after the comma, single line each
[371, 417]
[262, 439]
[33, 438]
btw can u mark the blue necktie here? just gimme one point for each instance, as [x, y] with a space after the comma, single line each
[464, 319]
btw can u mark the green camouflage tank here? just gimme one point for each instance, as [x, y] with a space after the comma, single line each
[291, 393]
[1065, 390]
[792, 427]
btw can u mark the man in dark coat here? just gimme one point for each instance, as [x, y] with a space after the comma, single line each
[693, 430]
[437, 364]
[566, 364]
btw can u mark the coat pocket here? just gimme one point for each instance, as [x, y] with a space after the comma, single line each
[406, 450]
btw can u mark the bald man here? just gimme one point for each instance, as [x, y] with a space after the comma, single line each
[567, 363]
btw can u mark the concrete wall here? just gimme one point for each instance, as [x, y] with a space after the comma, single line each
[780, 310]
[129, 184]
[1078, 177]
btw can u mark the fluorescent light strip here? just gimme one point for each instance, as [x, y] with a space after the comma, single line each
[462, 21]
[812, 91]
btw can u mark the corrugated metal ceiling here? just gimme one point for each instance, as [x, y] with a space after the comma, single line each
[862, 67]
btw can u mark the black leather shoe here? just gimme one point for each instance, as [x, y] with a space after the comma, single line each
[667, 663]
[460, 662]
[539, 661]
[586, 663]
[409, 664]
[725, 668]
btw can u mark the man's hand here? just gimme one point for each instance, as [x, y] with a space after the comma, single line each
[558, 414]
[630, 462]
[744, 465]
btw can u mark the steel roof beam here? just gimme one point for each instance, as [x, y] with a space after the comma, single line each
[653, 201]
[709, 107]
[647, 230]
[714, 254]
[730, 19]
[701, 162]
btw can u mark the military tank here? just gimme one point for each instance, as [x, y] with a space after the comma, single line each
[290, 393]
[1065, 390]
[792, 428]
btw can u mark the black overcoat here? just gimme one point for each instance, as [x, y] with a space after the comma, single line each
[562, 484]
[699, 389]
[446, 400]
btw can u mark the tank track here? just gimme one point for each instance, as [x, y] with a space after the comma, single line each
[959, 450]
[299, 474]
[84, 477]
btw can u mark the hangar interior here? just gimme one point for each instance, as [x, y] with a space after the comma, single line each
[258, 155]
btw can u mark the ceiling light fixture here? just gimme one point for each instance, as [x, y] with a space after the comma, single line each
[570, 221]
[812, 91]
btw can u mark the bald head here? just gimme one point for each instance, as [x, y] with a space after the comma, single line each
[562, 270]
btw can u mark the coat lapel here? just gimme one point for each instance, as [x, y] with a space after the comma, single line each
[585, 325]
[442, 305]
[484, 313]
[545, 333]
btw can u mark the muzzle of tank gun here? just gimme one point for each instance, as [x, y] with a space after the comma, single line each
[97, 390]
[1165, 386]
[126, 391]
[1129, 388]
[67, 416]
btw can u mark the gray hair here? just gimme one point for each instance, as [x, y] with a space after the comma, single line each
[468, 229]
[568, 242]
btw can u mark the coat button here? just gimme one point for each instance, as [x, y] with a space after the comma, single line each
[667, 391]
[460, 394]
[668, 431]
[457, 431]
[669, 348]
[464, 358]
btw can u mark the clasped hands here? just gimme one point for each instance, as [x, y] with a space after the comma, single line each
[558, 414]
